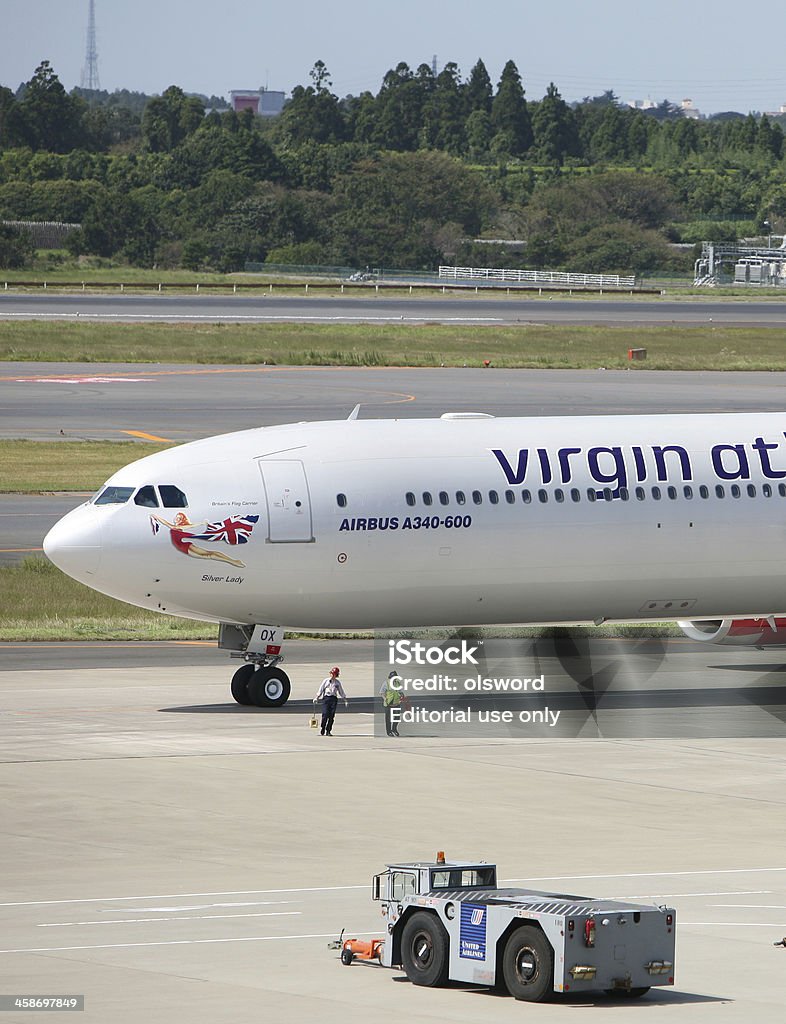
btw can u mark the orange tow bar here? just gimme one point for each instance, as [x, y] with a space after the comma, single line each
[357, 949]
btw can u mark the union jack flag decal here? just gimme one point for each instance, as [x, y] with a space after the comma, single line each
[234, 530]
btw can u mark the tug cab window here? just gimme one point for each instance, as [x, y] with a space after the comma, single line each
[462, 878]
[402, 884]
[146, 496]
[172, 497]
[114, 495]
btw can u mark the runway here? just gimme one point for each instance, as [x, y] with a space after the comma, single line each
[173, 864]
[484, 308]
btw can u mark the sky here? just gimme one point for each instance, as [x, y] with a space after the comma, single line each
[661, 49]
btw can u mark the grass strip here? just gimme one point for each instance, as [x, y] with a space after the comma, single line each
[38, 602]
[29, 467]
[526, 346]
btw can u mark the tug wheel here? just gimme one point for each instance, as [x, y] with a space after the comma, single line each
[424, 950]
[528, 965]
[347, 956]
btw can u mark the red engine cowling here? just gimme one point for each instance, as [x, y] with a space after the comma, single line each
[768, 632]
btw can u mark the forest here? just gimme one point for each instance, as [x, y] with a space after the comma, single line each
[431, 169]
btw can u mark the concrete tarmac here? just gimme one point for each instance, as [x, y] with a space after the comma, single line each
[176, 865]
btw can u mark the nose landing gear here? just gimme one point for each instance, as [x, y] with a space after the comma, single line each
[260, 681]
[262, 685]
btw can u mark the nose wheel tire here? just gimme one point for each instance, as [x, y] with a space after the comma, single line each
[424, 950]
[240, 681]
[269, 688]
[528, 965]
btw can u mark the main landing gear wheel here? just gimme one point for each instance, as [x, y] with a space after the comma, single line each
[240, 681]
[528, 965]
[269, 688]
[424, 950]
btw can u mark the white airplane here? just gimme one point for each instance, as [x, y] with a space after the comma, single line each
[463, 520]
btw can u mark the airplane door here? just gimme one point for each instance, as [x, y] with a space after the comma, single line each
[288, 503]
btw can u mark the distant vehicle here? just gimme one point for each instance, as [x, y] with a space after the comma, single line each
[362, 275]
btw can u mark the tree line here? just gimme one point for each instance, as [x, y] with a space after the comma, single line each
[406, 177]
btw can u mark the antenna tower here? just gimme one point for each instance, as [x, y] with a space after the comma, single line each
[434, 65]
[90, 70]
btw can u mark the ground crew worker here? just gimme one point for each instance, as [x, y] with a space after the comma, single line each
[391, 698]
[329, 692]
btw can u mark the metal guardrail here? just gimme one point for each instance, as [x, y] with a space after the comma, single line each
[269, 287]
[551, 278]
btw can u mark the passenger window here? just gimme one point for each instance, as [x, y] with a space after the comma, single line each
[526, 497]
[477, 497]
[461, 498]
[410, 499]
[640, 495]
[719, 491]
[672, 492]
[443, 498]
[766, 490]
[704, 491]
[751, 490]
[575, 494]
[171, 496]
[656, 493]
[341, 500]
[543, 497]
[608, 494]
[493, 497]
[427, 499]
[559, 494]
[782, 490]
[687, 491]
[624, 493]
[591, 495]
[735, 490]
[146, 496]
[114, 495]
[510, 497]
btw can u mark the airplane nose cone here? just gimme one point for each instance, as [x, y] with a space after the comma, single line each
[74, 544]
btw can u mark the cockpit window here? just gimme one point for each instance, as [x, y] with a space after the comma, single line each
[146, 496]
[114, 495]
[172, 497]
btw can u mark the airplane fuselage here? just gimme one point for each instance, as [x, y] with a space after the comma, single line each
[455, 521]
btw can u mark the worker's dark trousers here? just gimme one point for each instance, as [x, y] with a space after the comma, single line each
[329, 705]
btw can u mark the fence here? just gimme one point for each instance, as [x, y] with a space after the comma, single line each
[554, 278]
[44, 234]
